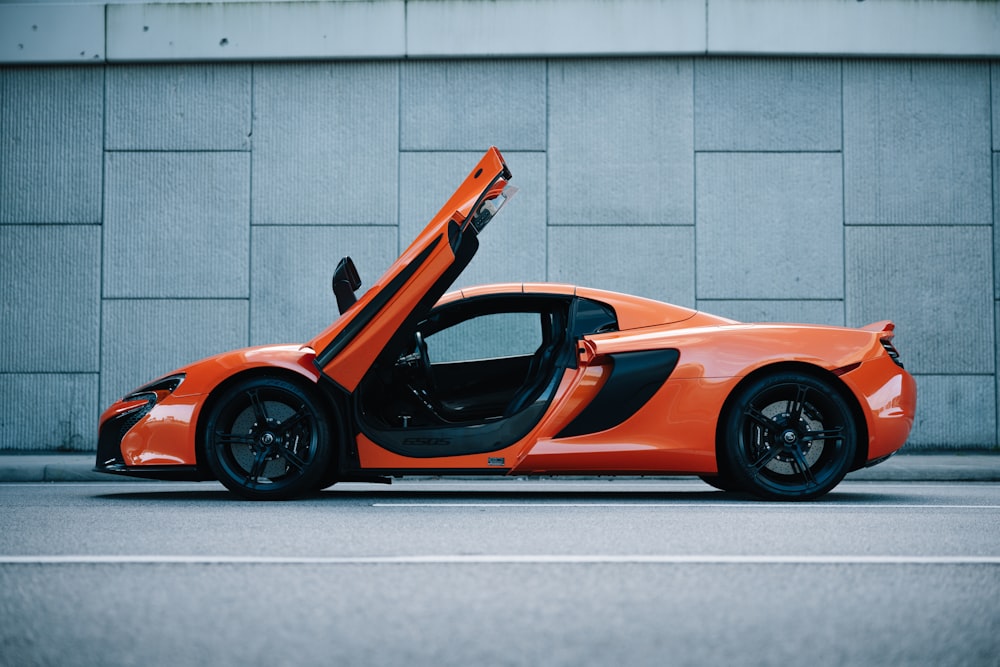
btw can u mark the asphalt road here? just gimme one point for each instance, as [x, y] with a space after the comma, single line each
[514, 572]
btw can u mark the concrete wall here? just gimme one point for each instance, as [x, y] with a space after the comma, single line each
[154, 214]
[94, 31]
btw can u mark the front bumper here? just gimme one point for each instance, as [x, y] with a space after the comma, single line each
[149, 434]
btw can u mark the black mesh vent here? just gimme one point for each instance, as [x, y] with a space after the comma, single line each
[110, 438]
[891, 351]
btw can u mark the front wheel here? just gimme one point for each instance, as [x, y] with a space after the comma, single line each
[789, 436]
[267, 439]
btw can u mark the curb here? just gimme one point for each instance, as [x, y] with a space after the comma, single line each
[53, 468]
[938, 467]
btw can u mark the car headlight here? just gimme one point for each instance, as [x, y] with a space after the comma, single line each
[159, 388]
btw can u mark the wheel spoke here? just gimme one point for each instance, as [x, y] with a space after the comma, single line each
[224, 438]
[294, 420]
[257, 468]
[795, 405]
[259, 410]
[292, 458]
[763, 420]
[769, 455]
[800, 462]
[823, 434]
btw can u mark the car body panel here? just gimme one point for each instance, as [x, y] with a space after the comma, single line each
[889, 396]
[643, 391]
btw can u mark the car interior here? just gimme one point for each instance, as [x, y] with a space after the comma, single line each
[471, 363]
[476, 374]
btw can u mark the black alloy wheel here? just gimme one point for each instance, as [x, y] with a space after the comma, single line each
[788, 436]
[267, 439]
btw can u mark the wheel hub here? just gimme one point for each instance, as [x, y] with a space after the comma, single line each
[265, 440]
[788, 439]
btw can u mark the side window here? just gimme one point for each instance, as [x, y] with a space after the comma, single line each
[489, 336]
[593, 317]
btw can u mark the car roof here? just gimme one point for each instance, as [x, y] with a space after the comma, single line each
[632, 311]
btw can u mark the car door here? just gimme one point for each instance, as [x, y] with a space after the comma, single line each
[478, 378]
[405, 293]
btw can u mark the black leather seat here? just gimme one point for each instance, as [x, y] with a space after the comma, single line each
[541, 370]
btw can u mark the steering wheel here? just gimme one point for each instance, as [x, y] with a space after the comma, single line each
[418, 360]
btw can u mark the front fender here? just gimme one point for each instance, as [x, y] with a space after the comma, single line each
[166, 433]
[205, 375]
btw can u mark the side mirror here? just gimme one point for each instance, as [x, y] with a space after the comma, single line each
[346, 282]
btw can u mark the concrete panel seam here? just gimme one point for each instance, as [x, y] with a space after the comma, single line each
[767, 152]
[177, 150]
[593, 225]
[918, 225]
[455, 150]
[175, 298]
[319, 225]
[843, 195]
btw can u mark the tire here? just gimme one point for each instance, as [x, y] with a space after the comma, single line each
[267, 439]
[328, 478]
[722, 482]
[788, 436]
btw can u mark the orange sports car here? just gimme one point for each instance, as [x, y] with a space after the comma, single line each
[518, 379]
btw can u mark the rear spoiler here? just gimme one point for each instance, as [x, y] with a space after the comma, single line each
[882, 326]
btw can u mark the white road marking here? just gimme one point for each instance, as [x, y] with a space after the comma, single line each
[501, 559]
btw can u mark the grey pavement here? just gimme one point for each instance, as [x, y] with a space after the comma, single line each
[904, 467]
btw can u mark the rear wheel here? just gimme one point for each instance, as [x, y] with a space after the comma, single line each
[789, 436]
[267, 439]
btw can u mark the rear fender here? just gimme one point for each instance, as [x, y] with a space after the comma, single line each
[738, 350]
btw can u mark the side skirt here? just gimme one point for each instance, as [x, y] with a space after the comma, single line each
[168, 473]
[439, 472]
